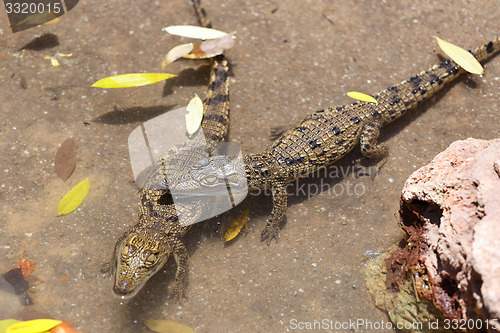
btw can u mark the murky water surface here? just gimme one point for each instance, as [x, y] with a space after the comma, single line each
[291, 58]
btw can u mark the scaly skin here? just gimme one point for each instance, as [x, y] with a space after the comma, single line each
[319, 140]
[146, 247]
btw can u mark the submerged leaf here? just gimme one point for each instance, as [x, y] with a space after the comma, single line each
[361, 97]
[194, 115]
[65, 159]
[192, 31]
[167, 326]
[33, 326]
[235, 227]
[53, 61]
[462, 57]
[132, 80]
[73, 198]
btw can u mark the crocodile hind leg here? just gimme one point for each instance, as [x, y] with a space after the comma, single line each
[181, 259]
[272, 228]
[371, 149]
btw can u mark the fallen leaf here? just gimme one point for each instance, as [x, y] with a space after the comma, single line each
[73, 198]
[6, 323]
[211, 48]
[235, 227]
[194, 115]
[361, 97]
[53, 61]
[167, 326]
[64, 327]
[33, 326]
[15, 276]
[37, 18]
[192, 31]
[65, 159]
[132, 80]
[462, 57]
[177, 52]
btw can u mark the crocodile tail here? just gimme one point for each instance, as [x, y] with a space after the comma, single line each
[396, 100]
[216, 102]
[487, 51]
[202, 14]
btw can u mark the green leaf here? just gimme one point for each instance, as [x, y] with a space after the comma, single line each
[194, 115]
[73, 198]
[462, 57]
[132, 80]
[192, 31]
[361, 97]
[33, 326]
[167, 326]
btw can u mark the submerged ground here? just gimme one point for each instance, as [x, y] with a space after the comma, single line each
[291, 58]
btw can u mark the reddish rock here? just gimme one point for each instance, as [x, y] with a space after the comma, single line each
[451, 212]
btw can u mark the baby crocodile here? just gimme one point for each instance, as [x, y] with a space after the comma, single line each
[145, 247]
[319, 140]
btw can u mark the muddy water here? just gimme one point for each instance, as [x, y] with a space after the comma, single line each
[290, 59]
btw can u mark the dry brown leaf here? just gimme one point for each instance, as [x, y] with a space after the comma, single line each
[65, 159]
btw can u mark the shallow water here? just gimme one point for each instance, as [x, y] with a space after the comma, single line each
[290, 59]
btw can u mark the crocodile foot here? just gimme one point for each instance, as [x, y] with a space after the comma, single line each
[271, 231]
[178, 292]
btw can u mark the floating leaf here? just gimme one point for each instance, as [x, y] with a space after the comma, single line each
[192, 31]
[235, 227]
[33, 326]
[167, 326]
[73, 198]
[132, 80]
[462, 57]
[37, 18]
[194, 115]
[65, 159]
[211, 48]
[177, 52]
[361, 97]
[64, 327]
[26, 266]
[6, 323]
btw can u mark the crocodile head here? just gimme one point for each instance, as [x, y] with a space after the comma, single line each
[137, 258]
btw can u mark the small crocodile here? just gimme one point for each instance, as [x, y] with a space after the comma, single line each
[143, 249]
[319, 140]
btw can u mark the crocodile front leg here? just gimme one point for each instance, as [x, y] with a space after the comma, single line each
[272, 228]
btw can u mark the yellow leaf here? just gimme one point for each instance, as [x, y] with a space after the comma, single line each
[54, 62]
[462, 57]
[132, 80]
[194, 115]
[167, 326]
[33, 326]
[192, 31]
[361, 97]
[73, 198]
[6, 323]
[235, 227]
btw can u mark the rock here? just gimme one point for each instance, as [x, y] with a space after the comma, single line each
[451, 212]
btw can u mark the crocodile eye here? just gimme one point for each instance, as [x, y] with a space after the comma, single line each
[210, 179]
[128, 250]
[151, 258]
